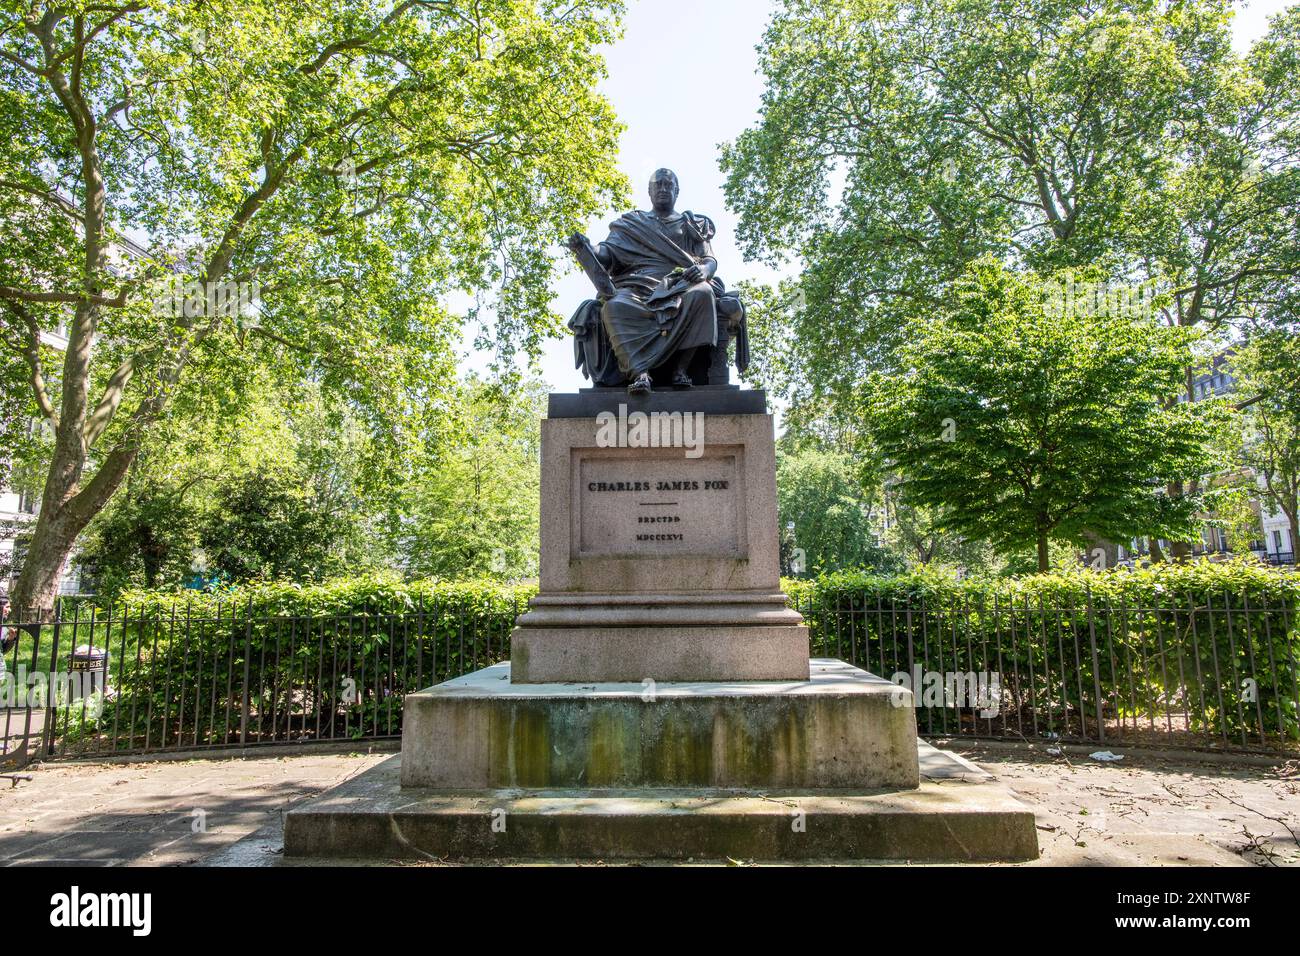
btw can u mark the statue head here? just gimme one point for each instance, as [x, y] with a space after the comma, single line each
[663, 190]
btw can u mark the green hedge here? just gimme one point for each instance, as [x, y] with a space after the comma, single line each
[333, 659]
[1159, 584]
[1079, 654]
[373, 593]
[1209, 648]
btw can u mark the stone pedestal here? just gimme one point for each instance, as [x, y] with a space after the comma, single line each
[659, 694]
[659, 544]
[842, 729]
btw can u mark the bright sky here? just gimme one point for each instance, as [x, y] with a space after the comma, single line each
[681, 92]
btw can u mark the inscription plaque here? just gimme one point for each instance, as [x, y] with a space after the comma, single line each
[658, 503]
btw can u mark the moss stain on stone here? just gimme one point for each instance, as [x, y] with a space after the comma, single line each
[522, 734]
[709, 742]
[607, 749]
[795, 749]
[678, 746]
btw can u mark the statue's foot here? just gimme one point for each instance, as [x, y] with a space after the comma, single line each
[682, 380]
[640, 385]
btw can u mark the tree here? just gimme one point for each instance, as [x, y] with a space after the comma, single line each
[472, 509]
[831, 513]
[899, 142]
[14, 409]
[267, 524]
[290, 485]
[1234, 507]
[1021, 420]
[916, 534]
[959, 128]
[1222, 236]
[1265, 369]
[287, 484]
[146, 537]
[348, 162]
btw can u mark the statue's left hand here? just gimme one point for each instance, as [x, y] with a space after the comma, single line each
[702, 271]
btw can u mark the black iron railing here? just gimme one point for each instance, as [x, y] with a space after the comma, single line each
[1208, 670]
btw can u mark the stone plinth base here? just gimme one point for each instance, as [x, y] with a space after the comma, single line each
[659, 561]
[717, 636]
[553, 655]
[843, 728]
[956, 815]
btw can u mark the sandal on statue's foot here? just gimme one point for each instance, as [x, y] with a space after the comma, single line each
[640, 385]
[682, 380]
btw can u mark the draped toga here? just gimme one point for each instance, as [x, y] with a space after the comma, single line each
[655, 313]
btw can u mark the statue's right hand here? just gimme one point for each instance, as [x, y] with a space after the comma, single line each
[577, 241]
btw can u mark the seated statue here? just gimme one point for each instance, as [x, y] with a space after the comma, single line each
[662, 317]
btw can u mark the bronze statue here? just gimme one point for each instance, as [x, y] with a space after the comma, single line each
[662, 316]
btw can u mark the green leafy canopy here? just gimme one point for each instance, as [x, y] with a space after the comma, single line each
[899, 141]
[359, 161]
[1022, 420]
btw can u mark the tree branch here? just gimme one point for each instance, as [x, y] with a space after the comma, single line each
[12, 294]
[97, 30]
[359, 41]
[32, 352]
[114, 391]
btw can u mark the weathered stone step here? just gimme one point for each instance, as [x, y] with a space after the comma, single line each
[372, 817]
[841, 728]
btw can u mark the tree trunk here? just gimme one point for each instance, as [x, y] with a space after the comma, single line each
[37, 588]
[1293, 521]
[1157, 553]
[62, 518]
[1182, 550]
[1044, 559]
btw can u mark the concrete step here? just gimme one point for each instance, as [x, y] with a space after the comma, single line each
[957, 814]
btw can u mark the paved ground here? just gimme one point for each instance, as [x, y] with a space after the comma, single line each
[1144, 810]
[1149, 811]
[156, 813]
